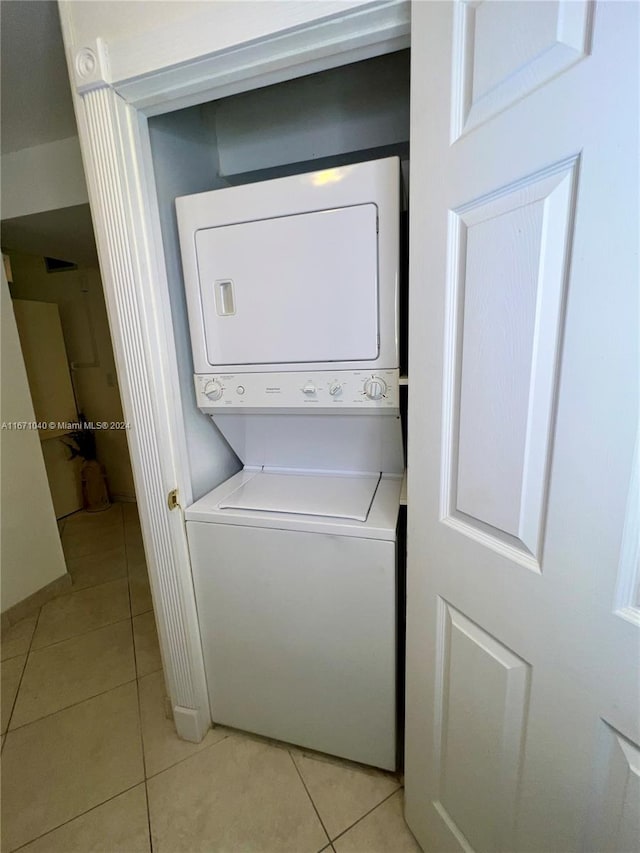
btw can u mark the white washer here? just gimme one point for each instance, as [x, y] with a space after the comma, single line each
[292, 293]
[298, 611]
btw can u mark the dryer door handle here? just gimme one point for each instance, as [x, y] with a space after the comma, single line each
[224, 297]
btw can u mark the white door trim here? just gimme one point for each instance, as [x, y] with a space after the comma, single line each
[112, 117]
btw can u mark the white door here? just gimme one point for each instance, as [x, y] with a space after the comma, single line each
[522, 590]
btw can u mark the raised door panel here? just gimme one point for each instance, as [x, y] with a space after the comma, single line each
[482, 699]
[615, 805]
[509, 258]
[504, 51]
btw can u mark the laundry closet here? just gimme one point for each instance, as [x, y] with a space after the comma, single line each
[522, 614]
[295, 471]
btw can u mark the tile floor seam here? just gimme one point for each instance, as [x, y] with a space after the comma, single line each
[144, 757]
[126, 560]
[81, 634]
[83, 589]
[98, 583]
[366, 814]
[15, 698]
[187, 757]
[24, 667]
[97, 553]
[135, 657]
[118, 546]
[143, 675]
[66, 707]
[100, 550]
[13, 657]
[92, 553]
[75, 817]
[146, 794]
[127, 547]
[304, 785]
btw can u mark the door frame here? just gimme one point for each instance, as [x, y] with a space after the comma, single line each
[112, 106]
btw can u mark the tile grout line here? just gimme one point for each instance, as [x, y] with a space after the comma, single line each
[139, 704]
[81, 590]
[75, 817]
[30, 650]
[146, 794]
[103, 583]
[366, 814]
[73, 705]
[100, 550]
[126, 560]
[26, 660]
[99, 582]
[142, 750]
[13, 657]
[187, 757]
[81, 634]
[304, 785]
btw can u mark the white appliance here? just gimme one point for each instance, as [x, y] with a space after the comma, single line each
[292, 293]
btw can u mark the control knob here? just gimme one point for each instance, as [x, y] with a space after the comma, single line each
[375, 388]
[213, 389]
[335, 389]
[309, 389]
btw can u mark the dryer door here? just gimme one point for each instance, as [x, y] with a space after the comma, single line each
[291, 290]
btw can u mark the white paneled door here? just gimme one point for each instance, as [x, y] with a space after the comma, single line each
[523, 614]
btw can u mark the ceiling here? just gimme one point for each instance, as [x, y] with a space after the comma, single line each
[36, 98]
[36, 108]
[66, 234]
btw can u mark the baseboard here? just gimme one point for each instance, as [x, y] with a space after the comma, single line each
[35, 601]
[190, 724]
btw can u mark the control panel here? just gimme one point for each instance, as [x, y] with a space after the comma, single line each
[357, 390]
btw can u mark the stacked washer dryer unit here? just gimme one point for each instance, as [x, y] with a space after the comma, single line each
[292, 293]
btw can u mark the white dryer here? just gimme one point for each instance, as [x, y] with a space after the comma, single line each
[292, 291]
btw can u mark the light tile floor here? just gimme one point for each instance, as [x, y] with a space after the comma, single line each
[90, 761]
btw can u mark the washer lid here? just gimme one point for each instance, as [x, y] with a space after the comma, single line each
[334, 495]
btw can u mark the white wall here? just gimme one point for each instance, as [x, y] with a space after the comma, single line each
[356, 108]
[185, 161]
[28, 562]
[80, 299]
[45, 177]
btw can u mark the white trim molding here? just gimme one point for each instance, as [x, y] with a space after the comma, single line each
[107, 132]
[351, 36]
[90, 66]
